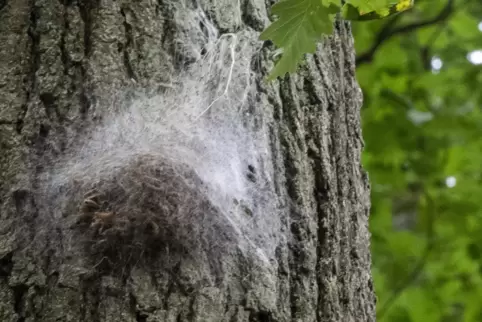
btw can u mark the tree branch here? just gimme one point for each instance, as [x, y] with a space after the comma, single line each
[388, 31]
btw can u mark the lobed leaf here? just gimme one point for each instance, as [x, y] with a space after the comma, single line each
[300, 25]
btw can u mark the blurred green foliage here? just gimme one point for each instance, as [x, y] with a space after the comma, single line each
[422, 125]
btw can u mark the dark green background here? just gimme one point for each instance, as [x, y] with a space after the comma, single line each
[422, 124]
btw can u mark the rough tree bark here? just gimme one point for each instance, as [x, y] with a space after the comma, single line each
[59, 58]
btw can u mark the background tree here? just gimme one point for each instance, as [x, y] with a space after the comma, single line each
[149, 173]
[421, 77]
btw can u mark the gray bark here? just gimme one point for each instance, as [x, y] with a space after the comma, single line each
[61, 64]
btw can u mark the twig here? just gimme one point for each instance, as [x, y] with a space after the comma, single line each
[388, 31]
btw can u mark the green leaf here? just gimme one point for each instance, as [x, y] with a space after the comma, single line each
[369, 5]
[300, 25]
[373, 9]
[464, 25]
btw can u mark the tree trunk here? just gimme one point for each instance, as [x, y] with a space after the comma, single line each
[148, 172]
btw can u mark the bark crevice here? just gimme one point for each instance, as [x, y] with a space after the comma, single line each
[129, 44]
